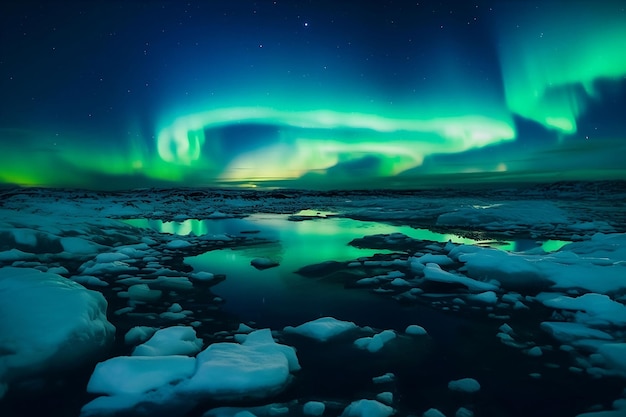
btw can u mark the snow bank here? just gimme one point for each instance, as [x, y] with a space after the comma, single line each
[48, 323]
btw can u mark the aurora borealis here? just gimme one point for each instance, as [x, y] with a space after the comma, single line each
[312, 94]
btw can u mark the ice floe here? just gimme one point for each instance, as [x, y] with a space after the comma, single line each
[49, 324]
[322, 329]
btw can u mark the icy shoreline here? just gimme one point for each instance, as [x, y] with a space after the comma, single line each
[561, 313]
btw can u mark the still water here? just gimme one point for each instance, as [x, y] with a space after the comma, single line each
[278, 296]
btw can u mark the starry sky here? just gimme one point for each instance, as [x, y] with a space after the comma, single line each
[321, 94]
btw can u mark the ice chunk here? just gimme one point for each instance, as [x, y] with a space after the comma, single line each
[567, 332]
[137, 374]
[139, 334]
[511, 270]
[313, 408]
[376, 342]
[388, 377]
[80, 246]
[433, 412]
[487, 297]
[89, 280]
[464, 412]
[177, 244]
[385, 397]
[111, 257]
[594, 309]
[202, 276]
[415, 330]
[15, 255]
[505, 216]
[437, 259]
[367, 408]
[615, 356]
[464, 385]
[399, 282]
[433, 272]
[48, 323]
[323, 328]
[257, 368]
[263, 263]
[141, 292]
[177, 340]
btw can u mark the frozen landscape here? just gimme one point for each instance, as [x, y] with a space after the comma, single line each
[195, 302]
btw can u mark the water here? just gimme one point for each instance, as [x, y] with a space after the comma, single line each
[277, 297]
[461, 344]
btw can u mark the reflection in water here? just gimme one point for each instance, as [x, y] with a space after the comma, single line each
[320, 228]
[265, 296]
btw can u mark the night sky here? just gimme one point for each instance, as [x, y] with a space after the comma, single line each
[311, 94]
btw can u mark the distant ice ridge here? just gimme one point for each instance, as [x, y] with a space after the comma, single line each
[48, 325]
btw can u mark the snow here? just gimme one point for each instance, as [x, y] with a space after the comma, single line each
[464, 385]
[367, 408]
[177, 340]
[322, 329]
[36, 335]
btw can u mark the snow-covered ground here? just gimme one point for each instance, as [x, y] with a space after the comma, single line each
[101, 317]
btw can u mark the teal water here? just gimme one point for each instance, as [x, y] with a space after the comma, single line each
[278, 296]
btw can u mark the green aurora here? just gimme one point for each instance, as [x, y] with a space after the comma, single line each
[520, 93]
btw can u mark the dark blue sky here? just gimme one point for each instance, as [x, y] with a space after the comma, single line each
[323, 94]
